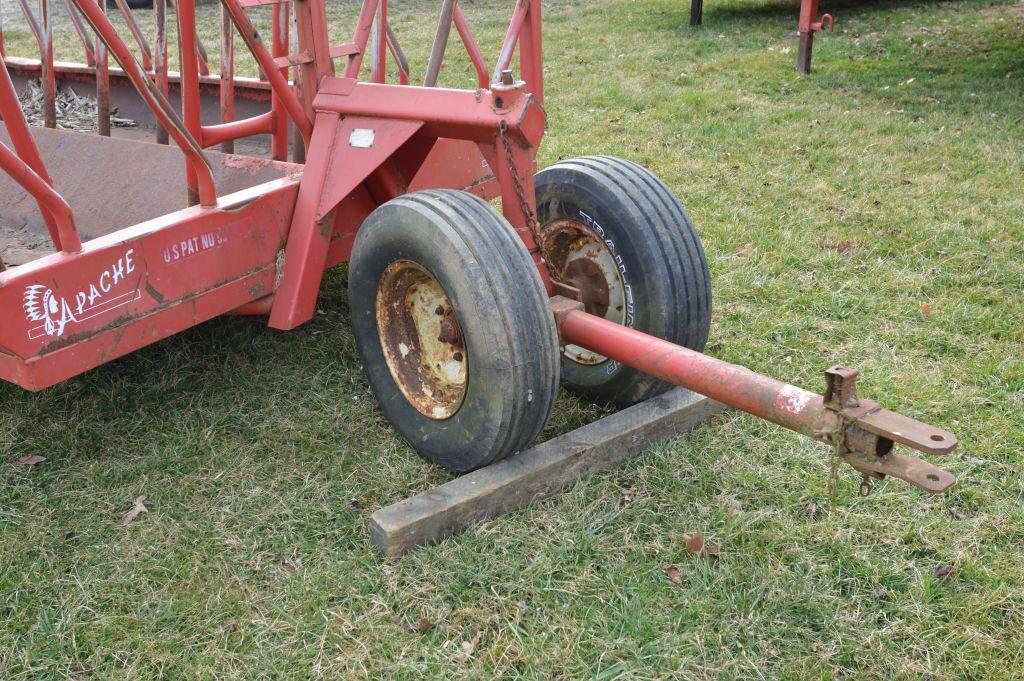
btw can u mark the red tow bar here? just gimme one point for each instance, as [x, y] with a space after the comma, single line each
[862, 432]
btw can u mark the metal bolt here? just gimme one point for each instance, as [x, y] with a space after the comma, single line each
[450, 332]
[506, 77]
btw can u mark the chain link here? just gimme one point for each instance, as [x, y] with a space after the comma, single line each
[865, 485]
[524, 205]
[838, 442]
[833, 476]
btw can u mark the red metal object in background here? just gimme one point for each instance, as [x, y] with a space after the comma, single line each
[263, 249]
[810, 24]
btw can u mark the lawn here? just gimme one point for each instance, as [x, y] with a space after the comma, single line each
[870, 214]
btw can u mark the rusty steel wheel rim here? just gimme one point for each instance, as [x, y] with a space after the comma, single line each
[422, 339]
[578, 256]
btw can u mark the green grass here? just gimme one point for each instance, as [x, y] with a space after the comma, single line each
[870, 214]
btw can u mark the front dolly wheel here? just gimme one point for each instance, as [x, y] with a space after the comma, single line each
[454, 328]
[614, 231]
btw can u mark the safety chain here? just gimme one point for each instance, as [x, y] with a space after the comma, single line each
[865, 484]
[531, 221]
[833, 476]
[838, 452]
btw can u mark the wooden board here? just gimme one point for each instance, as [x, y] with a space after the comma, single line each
[534, 474]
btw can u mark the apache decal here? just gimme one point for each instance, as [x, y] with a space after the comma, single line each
[49, 314]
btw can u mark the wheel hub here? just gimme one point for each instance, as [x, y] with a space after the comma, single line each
[421, 339]
[578, 256]
[588, 277]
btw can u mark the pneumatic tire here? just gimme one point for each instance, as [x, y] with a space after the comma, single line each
[454, 328]
[614, 230]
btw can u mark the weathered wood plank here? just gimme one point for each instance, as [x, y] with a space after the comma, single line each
[512, 484]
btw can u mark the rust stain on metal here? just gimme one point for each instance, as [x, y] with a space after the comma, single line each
[422, 339]
[156, 295]
[841, 388]
[451, 332]
[253, 165]
[73, 338]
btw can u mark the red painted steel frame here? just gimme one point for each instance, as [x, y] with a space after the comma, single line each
[140, 285]
[27, 169]
[365, 143]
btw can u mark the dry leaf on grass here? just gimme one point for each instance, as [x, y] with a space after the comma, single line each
[628, 497]
[673, 574]
[138, 508]
[734, 506]
[30, 460]
[467, 648]
[944, 572]
[696, 546]
[423, 626]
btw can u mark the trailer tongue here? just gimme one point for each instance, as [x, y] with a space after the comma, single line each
[861, 431]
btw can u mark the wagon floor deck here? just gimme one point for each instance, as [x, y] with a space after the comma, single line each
[111, 184]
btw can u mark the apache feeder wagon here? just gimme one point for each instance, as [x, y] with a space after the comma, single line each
[466, 318]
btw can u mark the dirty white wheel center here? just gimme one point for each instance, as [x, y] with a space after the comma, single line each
[422, 339]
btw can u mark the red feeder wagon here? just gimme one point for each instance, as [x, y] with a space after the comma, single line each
[466, 318]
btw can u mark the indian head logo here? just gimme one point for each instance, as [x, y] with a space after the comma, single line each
[49, 314]
[41, 305]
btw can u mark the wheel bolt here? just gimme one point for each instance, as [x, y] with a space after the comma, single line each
[450, 331]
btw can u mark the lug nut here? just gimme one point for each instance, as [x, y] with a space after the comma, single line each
[450, 331]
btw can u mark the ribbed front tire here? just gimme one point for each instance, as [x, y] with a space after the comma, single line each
[497, 371]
